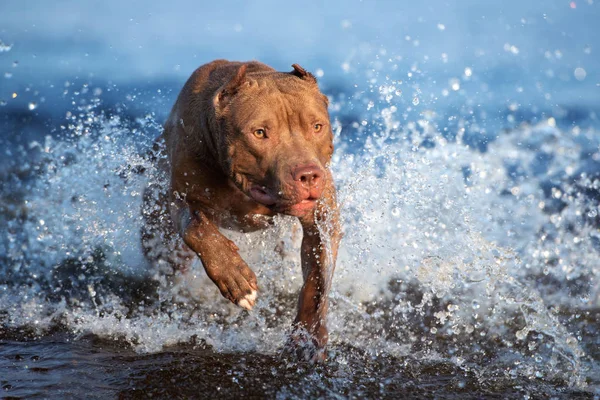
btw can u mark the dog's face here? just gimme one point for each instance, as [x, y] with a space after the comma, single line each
[277, 138]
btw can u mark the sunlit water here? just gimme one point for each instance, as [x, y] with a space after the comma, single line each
[467, 267]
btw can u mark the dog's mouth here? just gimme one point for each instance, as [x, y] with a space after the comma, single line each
[301, 208]
[262, 196]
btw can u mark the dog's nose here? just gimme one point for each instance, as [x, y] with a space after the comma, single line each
[307, 175]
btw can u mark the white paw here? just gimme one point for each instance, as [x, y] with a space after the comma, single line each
[251, 297]
[248, 301]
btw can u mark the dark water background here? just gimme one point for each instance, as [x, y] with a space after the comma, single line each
[468, 164]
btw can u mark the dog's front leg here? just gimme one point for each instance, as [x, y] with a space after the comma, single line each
[321, 236]
[219, 255]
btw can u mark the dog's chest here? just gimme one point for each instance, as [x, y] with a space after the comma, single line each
[244, 223]
[231, 209]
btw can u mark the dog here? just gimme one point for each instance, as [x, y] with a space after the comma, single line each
[243, 143]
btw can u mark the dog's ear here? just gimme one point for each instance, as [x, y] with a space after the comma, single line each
[230, 89]
[303, 74]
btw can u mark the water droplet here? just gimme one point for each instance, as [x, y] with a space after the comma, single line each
[585, 299]
[580, 73]
[522, 334]
[415, 101]
[455, 84]
[468, 72]
[556, 193]
[511, 48]
[5, 47]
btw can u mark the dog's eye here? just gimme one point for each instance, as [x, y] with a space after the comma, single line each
[318, 128]
[260, 133]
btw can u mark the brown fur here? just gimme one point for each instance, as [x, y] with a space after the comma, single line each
[244, 143]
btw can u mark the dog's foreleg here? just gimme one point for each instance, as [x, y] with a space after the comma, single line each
[321, 236]
[219, 255]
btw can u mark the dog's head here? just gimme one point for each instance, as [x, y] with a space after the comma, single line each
[277, 137]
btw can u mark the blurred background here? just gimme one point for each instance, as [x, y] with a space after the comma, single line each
[514, 57]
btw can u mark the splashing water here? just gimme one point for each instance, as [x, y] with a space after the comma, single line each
[5, 47]
[483, 261]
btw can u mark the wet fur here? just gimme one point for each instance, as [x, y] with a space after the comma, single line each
[212, 163]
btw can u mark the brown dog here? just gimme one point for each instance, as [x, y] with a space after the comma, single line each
[243, 143]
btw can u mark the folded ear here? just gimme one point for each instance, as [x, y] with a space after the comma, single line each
[303, 74]
[230, 89]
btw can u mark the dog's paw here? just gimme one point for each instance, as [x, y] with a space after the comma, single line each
[248, 301]
[237, 284]
[301, 346]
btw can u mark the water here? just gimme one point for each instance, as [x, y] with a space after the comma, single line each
[469, 189]
[481, 278]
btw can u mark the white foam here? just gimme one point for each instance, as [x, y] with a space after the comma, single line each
[409, 217]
